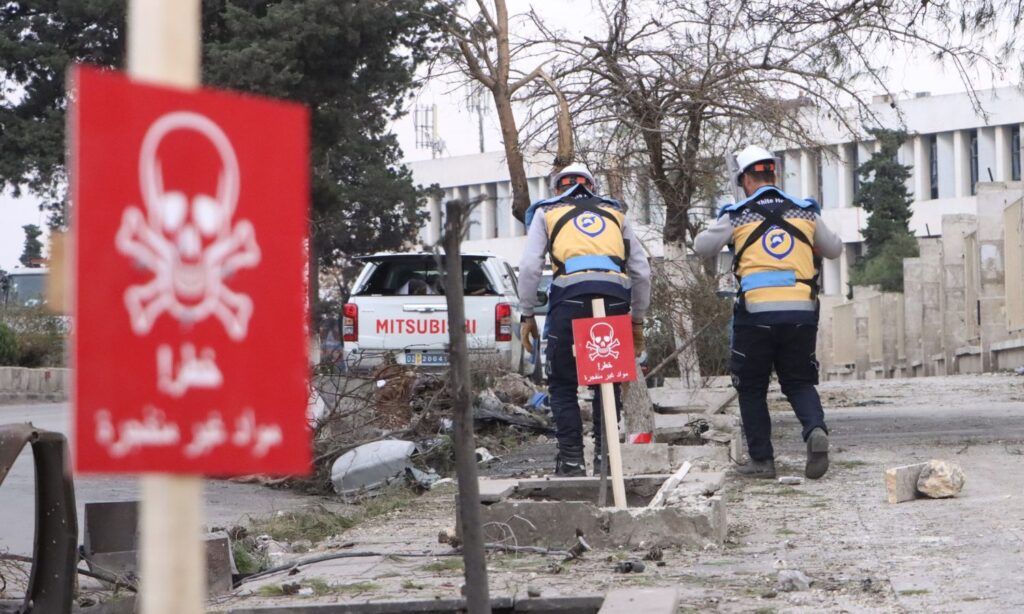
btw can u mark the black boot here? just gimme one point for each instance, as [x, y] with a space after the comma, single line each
[817, 454]
[758, 469]
[569, 462]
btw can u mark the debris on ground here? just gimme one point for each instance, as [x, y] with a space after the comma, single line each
[630, 567]
[791, 580]
[791, 480]
[940, 479]
[654, 554]
[371, 466]
[484, 456]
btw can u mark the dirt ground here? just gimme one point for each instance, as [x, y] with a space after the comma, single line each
[863, 554]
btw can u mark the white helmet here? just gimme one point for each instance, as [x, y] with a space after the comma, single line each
[573, 170]
[751, 156]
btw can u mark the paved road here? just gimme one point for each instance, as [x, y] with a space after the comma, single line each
[226, 502]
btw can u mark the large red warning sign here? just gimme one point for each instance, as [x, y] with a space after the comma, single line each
[604, 350]
[190, 231]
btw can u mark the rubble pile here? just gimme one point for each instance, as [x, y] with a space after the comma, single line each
[396, 424]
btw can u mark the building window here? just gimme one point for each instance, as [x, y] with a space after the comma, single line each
[855, 163]
[819, 191]
[974, 162]
[1015, 153]
[933, 164]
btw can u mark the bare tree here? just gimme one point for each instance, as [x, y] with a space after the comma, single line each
[668, 88]
[677, 84]
[486, 56]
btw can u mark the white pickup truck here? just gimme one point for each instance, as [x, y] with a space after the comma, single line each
[397, 313]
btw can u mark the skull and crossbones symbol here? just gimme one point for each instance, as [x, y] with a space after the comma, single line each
[602, 342]
[187, 240]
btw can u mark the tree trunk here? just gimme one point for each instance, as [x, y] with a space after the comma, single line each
[475, 562]
[637, 408]
[513, 155]
[680, 277]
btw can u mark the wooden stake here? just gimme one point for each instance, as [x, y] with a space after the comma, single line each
[473, 554]
[611, 427]
[164, 47]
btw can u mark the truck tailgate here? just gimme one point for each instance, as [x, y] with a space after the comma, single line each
[421, 322]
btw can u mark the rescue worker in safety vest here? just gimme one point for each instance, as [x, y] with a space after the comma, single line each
[777, 242]
[594, 254]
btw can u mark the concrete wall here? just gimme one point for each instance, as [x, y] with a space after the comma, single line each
[20, 384]
[955, 230]
[962, 308]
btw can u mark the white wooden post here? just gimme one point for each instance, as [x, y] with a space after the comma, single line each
[164, 47]
[611, 428]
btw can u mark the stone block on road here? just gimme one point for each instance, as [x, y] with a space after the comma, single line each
[940, 479]
[901, 482]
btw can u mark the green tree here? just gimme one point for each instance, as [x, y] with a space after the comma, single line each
[32, 253]
[352, 62]
[883, 194]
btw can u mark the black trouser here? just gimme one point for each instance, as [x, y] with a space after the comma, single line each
[561, 364]
[790, 349]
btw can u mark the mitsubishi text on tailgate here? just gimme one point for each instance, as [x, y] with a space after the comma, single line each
[398, 314]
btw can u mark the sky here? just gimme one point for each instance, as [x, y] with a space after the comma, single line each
[457, 125]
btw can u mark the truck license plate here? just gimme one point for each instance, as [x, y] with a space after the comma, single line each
[421, 358]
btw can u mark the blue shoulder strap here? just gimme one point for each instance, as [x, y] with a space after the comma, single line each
[803, 203]
[578, 192]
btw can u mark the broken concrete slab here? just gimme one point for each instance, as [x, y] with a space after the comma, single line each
[712, 454]
[699, 484]
[647, 458]
[671, 400]
[901, 482]
[553, 524]
[646, 600]
[494, 490]
[220, 564]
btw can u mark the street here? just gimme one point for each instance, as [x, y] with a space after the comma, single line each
[862, 553]
[226, 502]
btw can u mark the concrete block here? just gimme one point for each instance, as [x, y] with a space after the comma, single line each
[646, 600]
[553, 524]
[639, 459]
[672, 428]
[111, 527]
[901, 482]
[492, 491]
[681, 454]
[700, 484]
[220, 564]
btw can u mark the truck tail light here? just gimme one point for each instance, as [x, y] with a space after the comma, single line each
[350, 323]
[503, 322]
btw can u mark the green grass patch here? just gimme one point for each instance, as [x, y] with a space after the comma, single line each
[409, 585]
[914, 592]
[248, 561]
[785, 531]
[317, 523]
[765, 611]
[449, 564]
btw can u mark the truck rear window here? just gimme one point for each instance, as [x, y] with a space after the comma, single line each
[419, 275]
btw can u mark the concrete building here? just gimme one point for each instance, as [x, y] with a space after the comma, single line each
[951, 148]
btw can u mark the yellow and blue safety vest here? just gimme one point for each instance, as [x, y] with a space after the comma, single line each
[774, 261]
[586, 244]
